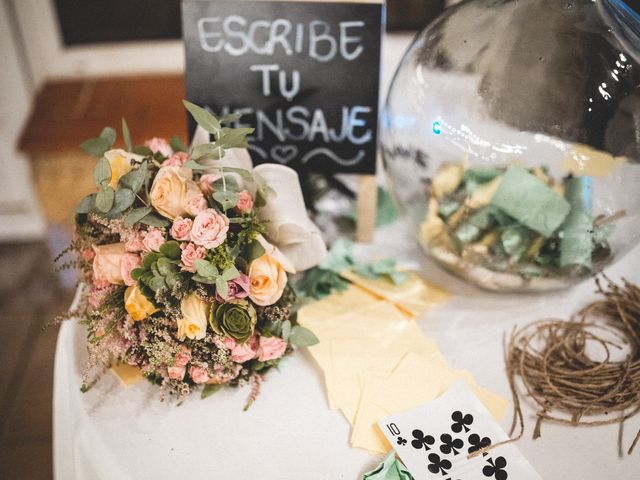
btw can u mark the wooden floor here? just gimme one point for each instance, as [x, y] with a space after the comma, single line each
[31, 294]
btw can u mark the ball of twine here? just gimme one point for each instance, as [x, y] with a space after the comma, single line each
[570, 386]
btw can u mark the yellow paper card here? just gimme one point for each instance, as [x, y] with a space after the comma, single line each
[127, 374]
[364, 434]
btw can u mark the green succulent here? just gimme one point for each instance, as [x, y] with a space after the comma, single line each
[235, 319]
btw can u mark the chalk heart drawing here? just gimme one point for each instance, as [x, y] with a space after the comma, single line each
[284, 153]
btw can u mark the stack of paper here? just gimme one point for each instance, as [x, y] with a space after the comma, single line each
[376, 360]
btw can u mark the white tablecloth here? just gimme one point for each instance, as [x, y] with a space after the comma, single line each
[114, 433]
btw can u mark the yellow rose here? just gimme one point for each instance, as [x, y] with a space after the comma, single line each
[172, 190]
[268, 275]
[195, 316]
[120, 163]
[106, 263]
[137, 305]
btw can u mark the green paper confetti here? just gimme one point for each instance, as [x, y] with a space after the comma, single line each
[576, 247]
[390, 469]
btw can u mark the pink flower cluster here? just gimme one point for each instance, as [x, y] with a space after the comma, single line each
[267, 348]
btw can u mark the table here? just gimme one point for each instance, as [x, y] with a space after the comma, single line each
[290, 433]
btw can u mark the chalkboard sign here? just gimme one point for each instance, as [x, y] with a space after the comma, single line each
[304, 74]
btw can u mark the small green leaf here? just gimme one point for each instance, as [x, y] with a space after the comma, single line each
[193, 165]
[102, 173]
[104, 199]
[205, 268]
[157, 283]
[230, 184]
[230, 117]
[142, 150]
[165, 266]
[126, 135]
[137, 273]
[201, 279]
[149, 259]
[208, 151]
[302, 337]
[88, 204]
[154, 220]
[123, 200]
[134, 180]
[96, 146]
[222, 287]
[209, 390]
[245, 174]
[234, 137]
[205, 119]
[254, 250]
[230, 273]
[177, 145]
[227, 199]
[171, 249]
[286, 329]
[136, 215]
[109, 134]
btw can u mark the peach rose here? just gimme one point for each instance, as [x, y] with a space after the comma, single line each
[177, 159]
[191, 253]
[196, 204]
[106, 264]
[171, 191]
[270, 348]
[153, 240]
[176, 372]
[206, 182]
[129, 262]
[198, 374]
[245, 202]
[267, 275]
[159, 145]
[181, 229]
[209, 228]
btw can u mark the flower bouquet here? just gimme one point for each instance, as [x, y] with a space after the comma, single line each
[180, 278]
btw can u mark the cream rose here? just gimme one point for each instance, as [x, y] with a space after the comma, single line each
[120, 163]
[137, 305]
[193, 321]
[172, 190]
[107, 262]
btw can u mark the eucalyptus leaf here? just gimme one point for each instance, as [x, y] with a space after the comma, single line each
[208, 151]
[137, 273]
[165, 266]
[230, 184]
[96, 146]
[227, 199]
[105, 199]
[157, 283]
[177, 145]
[171, 279]
[254, 250]
[205, 119]
[193, 165]
[109, 134]
[126, 135]
[230, 273]
[88, 204]
[102, 172]
[149, 259]
[124, 199]
[286, 329]
[200, 279]
[234, 137]
[302, 337]
[171, 249]
[209, 390]
[205, 268]
[230, 117]
[136, 215]
[134, 180]
[154, 220]
[142, 150]
[245, 174]
[222, 287]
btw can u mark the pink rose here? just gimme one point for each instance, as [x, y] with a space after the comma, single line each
[209, 228]
[191, 253]
[177, 159]
[177, 372]
[182, 358]
[198, 374]
[106, 263]
[196, 204]
[153, 240]
[127, 264]
[270, 348]
[229, 343]
[238, 289]
[133, 242]
[206, 182]
[88, 255]
[157, 144]
[245, 202]
[243, 353]
[224, 377]
[181, 229]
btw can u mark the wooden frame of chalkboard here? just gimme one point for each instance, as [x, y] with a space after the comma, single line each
[305, 74]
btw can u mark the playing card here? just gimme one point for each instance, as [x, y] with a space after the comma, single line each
[435, 440]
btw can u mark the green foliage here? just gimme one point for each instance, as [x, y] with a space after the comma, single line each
[160, 269]
[209, 390]
[209, 274]
[302, 337]
[99, 145]
[319, 283]
[126, 135]
[136, 215]
[177, 145]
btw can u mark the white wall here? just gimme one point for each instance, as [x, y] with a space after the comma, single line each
[20, 218]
